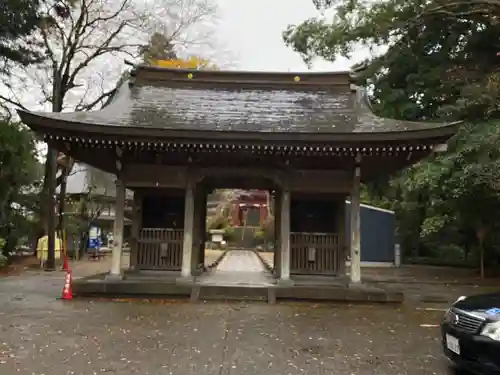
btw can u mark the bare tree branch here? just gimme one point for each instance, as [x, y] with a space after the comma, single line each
[13, 102]
[69, 50]
[90, 41]
[464, 8]
[86, 44]
[99, 101]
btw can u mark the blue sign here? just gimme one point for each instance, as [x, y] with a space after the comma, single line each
[94, 232]
[494, 311]
[94, 243]
[94, 238]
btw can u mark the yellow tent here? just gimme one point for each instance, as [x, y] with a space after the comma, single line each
[42, 248]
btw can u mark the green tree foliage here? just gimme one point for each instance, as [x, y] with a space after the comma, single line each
[17, 18]
[440, 61]
[19, 177]
[434, 64]
[160, 47]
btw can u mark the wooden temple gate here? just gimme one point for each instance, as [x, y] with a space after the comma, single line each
[308, 133]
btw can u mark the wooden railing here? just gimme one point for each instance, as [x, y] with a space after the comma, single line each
[160, 249]
[314, 253]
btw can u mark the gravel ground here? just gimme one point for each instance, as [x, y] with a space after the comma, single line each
[43, 335]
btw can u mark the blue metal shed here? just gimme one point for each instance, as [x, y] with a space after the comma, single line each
[378, 229]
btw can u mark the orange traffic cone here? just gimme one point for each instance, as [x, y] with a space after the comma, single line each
[67, 292]
[65, 266]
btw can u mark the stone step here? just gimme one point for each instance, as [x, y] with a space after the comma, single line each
[220, 292]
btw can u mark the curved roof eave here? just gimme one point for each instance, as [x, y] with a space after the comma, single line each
[55, 122]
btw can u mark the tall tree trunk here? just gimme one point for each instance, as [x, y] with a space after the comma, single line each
[10, 242]
[62, 206]
[42, 228]
[50, 264]
[481, 257]
[480, 234]
[466, 250]
[50, 178]
[4, 217]
[82, 245]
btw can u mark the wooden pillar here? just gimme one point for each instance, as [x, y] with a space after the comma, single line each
[355, 225]
[196, 230]
[277, 233]
[342, 237]
[136, 230]
[285, 236]
[203, 228]
[116, 257]
[198, 227]
[187, 247]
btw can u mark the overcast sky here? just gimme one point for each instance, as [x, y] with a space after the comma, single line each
[251, 31]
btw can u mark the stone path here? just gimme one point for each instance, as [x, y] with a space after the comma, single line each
[239, 267]
[241, 260]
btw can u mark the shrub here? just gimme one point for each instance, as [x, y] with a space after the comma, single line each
[229, 234]
[3, 261]
[259, 237]
[218, 222]
[267, 229]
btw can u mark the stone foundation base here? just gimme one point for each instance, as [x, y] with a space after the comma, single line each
[188, 288]
[185, 280]
[282, 282]
[112, 277]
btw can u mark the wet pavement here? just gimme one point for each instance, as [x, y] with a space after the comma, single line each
[238, 267]
[42, 335]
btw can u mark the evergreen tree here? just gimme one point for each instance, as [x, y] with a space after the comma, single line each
[18, 18]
